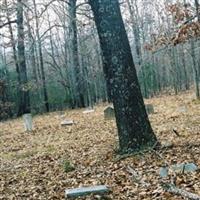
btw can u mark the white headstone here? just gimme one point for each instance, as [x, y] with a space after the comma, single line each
[88, 111]
[164, 172]
[67, 123]
[28, 125]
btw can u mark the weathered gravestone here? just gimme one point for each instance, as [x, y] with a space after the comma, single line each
[28, 125]
[87, 111]
[184, 168]
[67, 123]
[149, 108]
[178, 168]
[77, 192]
[109, 113]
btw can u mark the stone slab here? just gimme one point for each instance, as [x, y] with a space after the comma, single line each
[83, 191]
[88, 111]
[178, 168]
[189, 167]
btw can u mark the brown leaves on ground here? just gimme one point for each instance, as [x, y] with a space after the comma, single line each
[33, 165]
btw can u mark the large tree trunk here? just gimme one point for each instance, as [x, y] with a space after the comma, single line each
[24, 91]
[134, 128]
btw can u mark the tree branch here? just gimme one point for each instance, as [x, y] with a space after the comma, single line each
[7, 23]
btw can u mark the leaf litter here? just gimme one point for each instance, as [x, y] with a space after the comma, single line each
[31, 164]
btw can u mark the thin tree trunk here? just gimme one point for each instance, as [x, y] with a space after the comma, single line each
[75, 58]
[197, 9]
[136, 32]
[186, 82]
[46, 101]
[24, 91]
[195, 69]
[32, 51]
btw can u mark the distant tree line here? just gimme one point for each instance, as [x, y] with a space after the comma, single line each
[50, 55]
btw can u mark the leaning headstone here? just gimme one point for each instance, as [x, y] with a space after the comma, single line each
[149, 108]
[28, 125]
[88, 111]
[109, 113]
[184, 168]
[77, 192]
[67, 123]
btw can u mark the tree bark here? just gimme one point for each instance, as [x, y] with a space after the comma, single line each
[24, 106]
[186, 81]
[195, 69]
[13, 44]
[32, 51]
[133, 125]
[197, 9]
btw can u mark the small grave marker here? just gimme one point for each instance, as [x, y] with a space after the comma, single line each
[163, 172]
[67, 123]
[182, 109]
[83, 191]
[28, 125]
[149, 108]
[109, 113]
[88, 111]
[184, 168]
[178, 168]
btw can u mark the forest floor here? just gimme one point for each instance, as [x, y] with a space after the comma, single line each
[34, 165]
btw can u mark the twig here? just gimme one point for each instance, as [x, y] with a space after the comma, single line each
[177, 191]
[176, 132]
[137, 178]
[7, 23]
